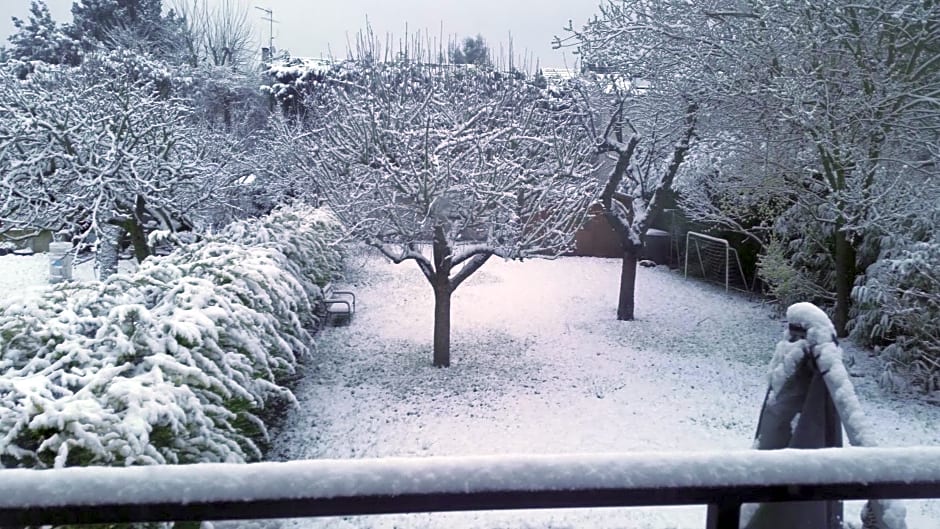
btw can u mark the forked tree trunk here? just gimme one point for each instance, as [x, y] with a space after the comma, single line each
[438, 274]
[442, 294]
[627, 282]
[625, 224]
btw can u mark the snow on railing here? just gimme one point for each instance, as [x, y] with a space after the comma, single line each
[215, 491]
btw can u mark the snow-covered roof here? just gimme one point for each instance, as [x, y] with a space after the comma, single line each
[558, 74]
[297, 66]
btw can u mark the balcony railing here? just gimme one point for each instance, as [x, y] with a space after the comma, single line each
[435, 484]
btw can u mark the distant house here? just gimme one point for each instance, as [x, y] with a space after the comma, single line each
[597, 238]
[558, 74]
[16, 239]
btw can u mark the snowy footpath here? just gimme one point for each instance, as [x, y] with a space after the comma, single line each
[540, 365]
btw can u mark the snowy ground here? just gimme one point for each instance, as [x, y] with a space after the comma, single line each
[28, 274]
[541, 366]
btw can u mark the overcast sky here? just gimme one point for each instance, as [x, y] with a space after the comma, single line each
[313, 27]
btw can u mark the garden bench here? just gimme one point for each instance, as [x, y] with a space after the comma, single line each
[340, 304]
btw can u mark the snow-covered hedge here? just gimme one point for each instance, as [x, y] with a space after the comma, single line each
[170, 364]
[307, 237]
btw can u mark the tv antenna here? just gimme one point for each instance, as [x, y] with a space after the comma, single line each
[271, 21]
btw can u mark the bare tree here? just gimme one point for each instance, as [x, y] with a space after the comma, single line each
[475, 162]
[87, 151]
[218, 36]
[637, 185]
[849, 84]
[653, 116]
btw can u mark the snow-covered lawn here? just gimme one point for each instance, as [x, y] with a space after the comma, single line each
[541, 366]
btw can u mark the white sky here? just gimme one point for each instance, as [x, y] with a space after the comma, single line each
[313, 27]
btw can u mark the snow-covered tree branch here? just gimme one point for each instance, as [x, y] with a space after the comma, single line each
[647, 93]
[829, 103]
[475, 162]
[92, 150]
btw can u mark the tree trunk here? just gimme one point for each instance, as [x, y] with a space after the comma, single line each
[135, 228]
[106, 258]
[845, 280]
[138, 240]
[443, 263]
[227, 113]
[627, 282]
[442, 295]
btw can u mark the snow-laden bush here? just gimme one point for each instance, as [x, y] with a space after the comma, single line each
[170, 364]
[898, 305]
[796, 269]
[308, 237]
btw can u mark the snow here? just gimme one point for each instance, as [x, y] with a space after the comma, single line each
[819, 333]
[819, 329]
[851, 411]
[29, 274]
[299, 66]
[810, 334]
[541, 367]
[820, 342]
[167, 364]
[336, 478]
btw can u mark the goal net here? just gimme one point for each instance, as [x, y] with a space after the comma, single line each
[713, 259]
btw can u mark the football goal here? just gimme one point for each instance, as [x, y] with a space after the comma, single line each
[713, 259]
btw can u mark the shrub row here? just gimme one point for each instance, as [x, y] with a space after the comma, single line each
[173, 363]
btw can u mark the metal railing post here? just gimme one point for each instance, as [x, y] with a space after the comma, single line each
[724, 515]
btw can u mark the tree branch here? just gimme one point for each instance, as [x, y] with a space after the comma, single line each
[468, 269]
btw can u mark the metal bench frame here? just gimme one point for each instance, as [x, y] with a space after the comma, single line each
[337, 299]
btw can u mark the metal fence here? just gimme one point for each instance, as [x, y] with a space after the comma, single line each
[724, 480]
